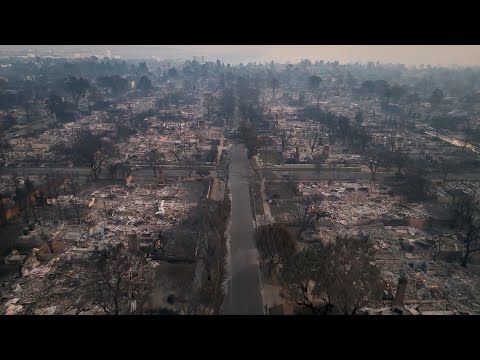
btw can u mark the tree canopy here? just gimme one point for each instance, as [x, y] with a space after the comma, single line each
[314, 81]
[333, 278]
[77, 87]
[275, 245]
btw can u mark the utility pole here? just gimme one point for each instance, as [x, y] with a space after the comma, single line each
[254, 209]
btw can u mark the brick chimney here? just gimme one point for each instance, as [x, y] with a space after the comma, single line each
[297, 154]
[133, 245]
[401, 289]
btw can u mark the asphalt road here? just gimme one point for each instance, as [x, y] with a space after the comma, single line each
[83, 171]
[243, 289]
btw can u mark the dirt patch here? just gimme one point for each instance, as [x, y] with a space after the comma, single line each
[271, 157]
[279, 190]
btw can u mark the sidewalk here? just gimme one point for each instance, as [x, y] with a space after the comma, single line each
[267, 217]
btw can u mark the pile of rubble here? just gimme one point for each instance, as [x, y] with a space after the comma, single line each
[93, 123]
[141, 208]
[435, 285]
[352, 203]
[50, 283]
[406, 310]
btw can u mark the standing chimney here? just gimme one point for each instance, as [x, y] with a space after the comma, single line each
[133, 245]
[401, 289]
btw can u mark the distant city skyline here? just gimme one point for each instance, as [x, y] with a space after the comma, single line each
[443, 55]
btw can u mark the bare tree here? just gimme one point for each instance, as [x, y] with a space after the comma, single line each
[176, 153]
[211, 220]
[465, 206]
[314, 83]
[344, 127]
[297, 279]
[209, 103]
[248, 133]
[275, 245]
[313, 138]
[399, 158]
[339, 276]
[77, 87]
[302, 215]
[119, 283]
[359, 118]
[373, 160]
[93, 151]
[4, 147]
[444, 167]
[274, 83]
[154, 158]
[285, 137]
[468, 137]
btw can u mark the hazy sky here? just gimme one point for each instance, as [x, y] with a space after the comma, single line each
[446, 55]
[406, 54]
